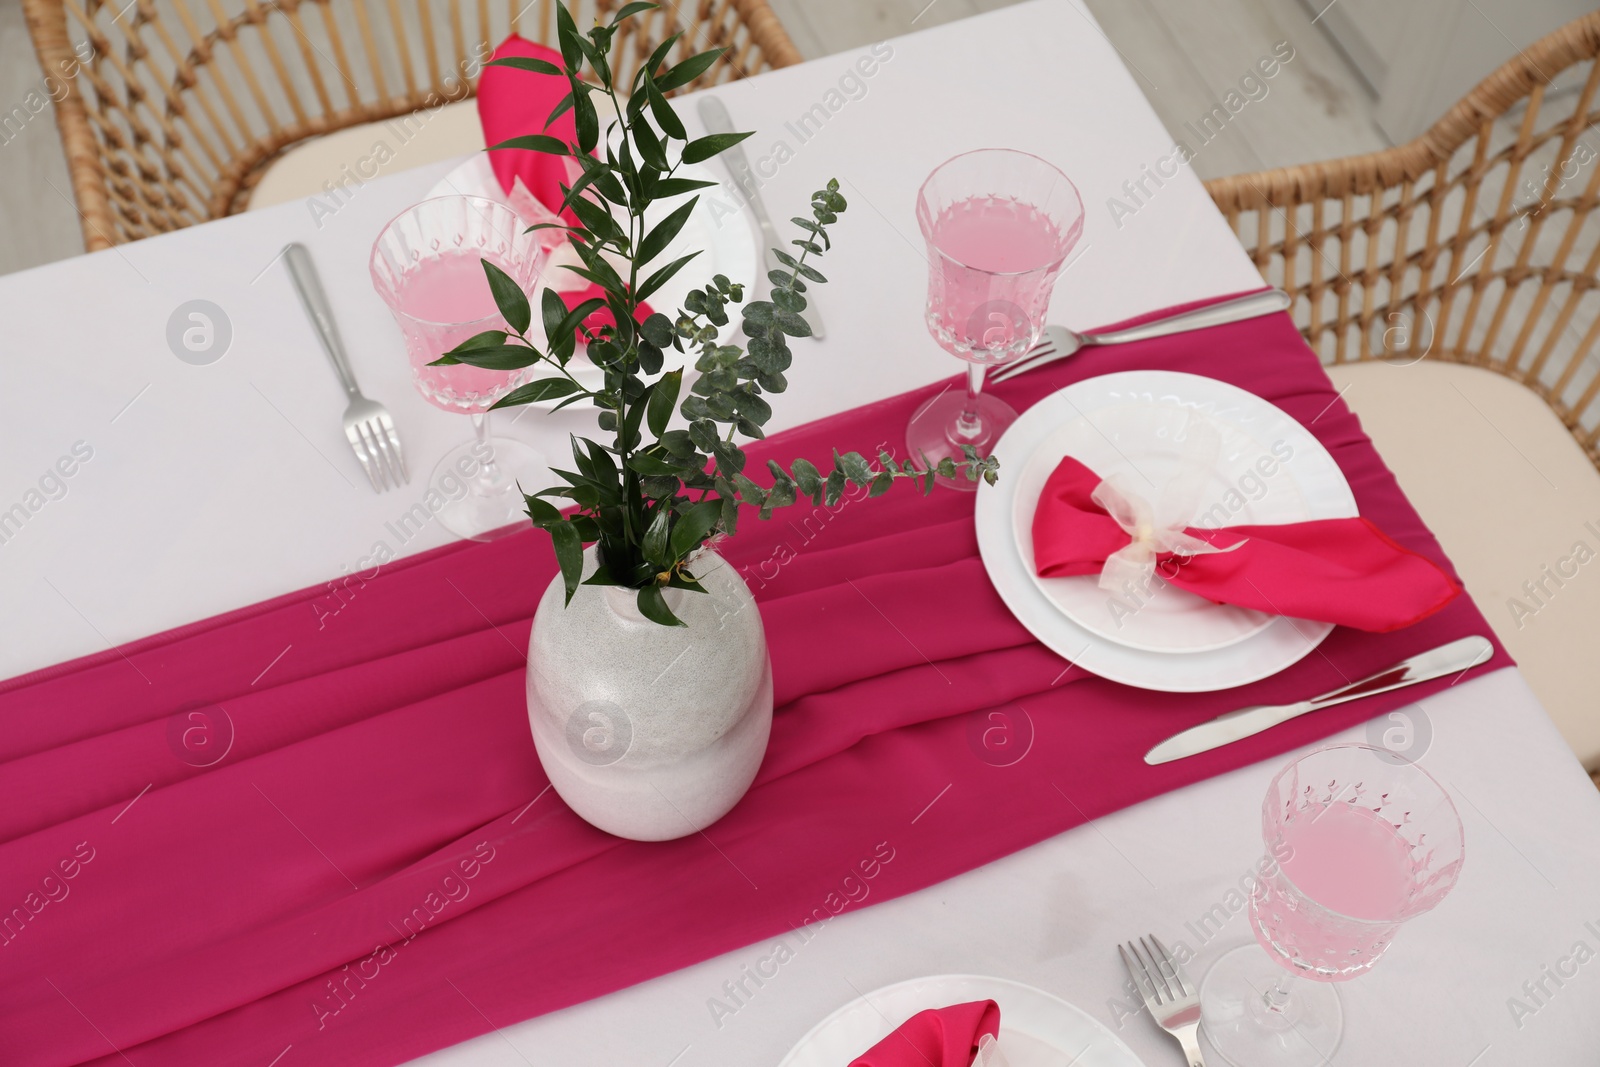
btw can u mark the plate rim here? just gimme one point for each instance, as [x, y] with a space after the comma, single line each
[865, 998]
[1154, 671]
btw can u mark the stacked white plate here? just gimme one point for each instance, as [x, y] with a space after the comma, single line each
[1036, 1029]
[1142, 424]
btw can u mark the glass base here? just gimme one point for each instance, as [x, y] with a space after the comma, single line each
[479, 481]
[1238, 1019]
[936, 431]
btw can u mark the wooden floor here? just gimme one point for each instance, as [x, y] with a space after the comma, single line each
[1187, 55]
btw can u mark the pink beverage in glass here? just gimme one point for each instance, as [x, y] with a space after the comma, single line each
[988, 291]
[1364, 841]
[449, 300]
[1352, 864]
[427, 266]
[999, 225]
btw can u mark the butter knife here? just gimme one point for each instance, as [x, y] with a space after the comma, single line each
[714, 115]
[1452, 658]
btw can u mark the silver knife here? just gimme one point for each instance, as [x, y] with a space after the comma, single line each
[1453, 658]
[714, 115]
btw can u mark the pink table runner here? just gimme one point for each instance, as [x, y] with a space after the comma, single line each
[372, 868]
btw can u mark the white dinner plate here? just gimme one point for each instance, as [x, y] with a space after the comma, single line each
[1036, 1029]
[719, 228]
[1146, 443]
[1278, 645]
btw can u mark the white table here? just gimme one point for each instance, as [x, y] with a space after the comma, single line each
[215, 486]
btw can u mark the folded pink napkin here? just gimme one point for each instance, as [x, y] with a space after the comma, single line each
[1344, 571]
[513, 103]
[938, 1037]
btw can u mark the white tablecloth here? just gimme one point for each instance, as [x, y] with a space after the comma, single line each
[209, 487]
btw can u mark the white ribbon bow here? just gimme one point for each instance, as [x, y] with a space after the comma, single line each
[989, 1054]
[1160, 528]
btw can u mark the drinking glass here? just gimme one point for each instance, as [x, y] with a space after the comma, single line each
[999, 225]
[425, 265]
[1362, 840]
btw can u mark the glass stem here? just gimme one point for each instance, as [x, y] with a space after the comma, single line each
[488, 476]
[969, 427]
[1277, 998]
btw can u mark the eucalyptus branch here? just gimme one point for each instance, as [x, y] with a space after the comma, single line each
[673, 475]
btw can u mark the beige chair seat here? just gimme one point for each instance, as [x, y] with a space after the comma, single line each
[1516, 505]
[331, 168]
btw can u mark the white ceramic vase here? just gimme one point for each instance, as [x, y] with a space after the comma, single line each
[650, 732]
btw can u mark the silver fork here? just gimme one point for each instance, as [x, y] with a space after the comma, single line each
[1060, 342]
[367, 425]
[1169, 993]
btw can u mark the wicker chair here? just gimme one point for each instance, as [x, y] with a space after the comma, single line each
[175, 108]
[1450, 286]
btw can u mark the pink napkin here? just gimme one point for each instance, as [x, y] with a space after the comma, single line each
[512, 103]
[1344, 571]
[938, 1037]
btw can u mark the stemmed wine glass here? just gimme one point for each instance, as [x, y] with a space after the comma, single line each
[1363, 840]
[425, 265]
[999, 225]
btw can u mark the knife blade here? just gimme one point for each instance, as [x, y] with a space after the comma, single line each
[1246, 722]
[714, 116]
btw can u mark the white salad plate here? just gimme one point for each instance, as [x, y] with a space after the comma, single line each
[1137, 423]
[1036, 1029]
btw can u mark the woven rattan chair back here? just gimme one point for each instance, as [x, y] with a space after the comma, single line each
[1478, 242]
[170, 110]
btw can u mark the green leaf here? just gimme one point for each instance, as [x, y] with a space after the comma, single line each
[509, 298]
[655, 544]
[486, 339]
[652, 465]
[790, 323]
[653, 606]
[667, 188]
[657, 329]
[537, 66]
[567, 34]
[552, 310]
[656, 241]
[534, 392]
[569, 554]
[586, 121]
[663, 400]
[569, 322]
[881, 484]
[503, 357]
[598, 221]
[694, 526]
[703, 148]
[658, 57]
[541, 512]
[855, 467]
[688, 70]
[665, 117]
[807, 477]
[662, 276]
[630, 10]
[533, 142]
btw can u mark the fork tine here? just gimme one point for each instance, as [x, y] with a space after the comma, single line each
[1137, 972]
[391, 462]
[1157, 976]
[380, 471]
[393, 436]
[359, 447]
[1170, 967]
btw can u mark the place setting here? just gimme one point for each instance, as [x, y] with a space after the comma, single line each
[679, 684]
